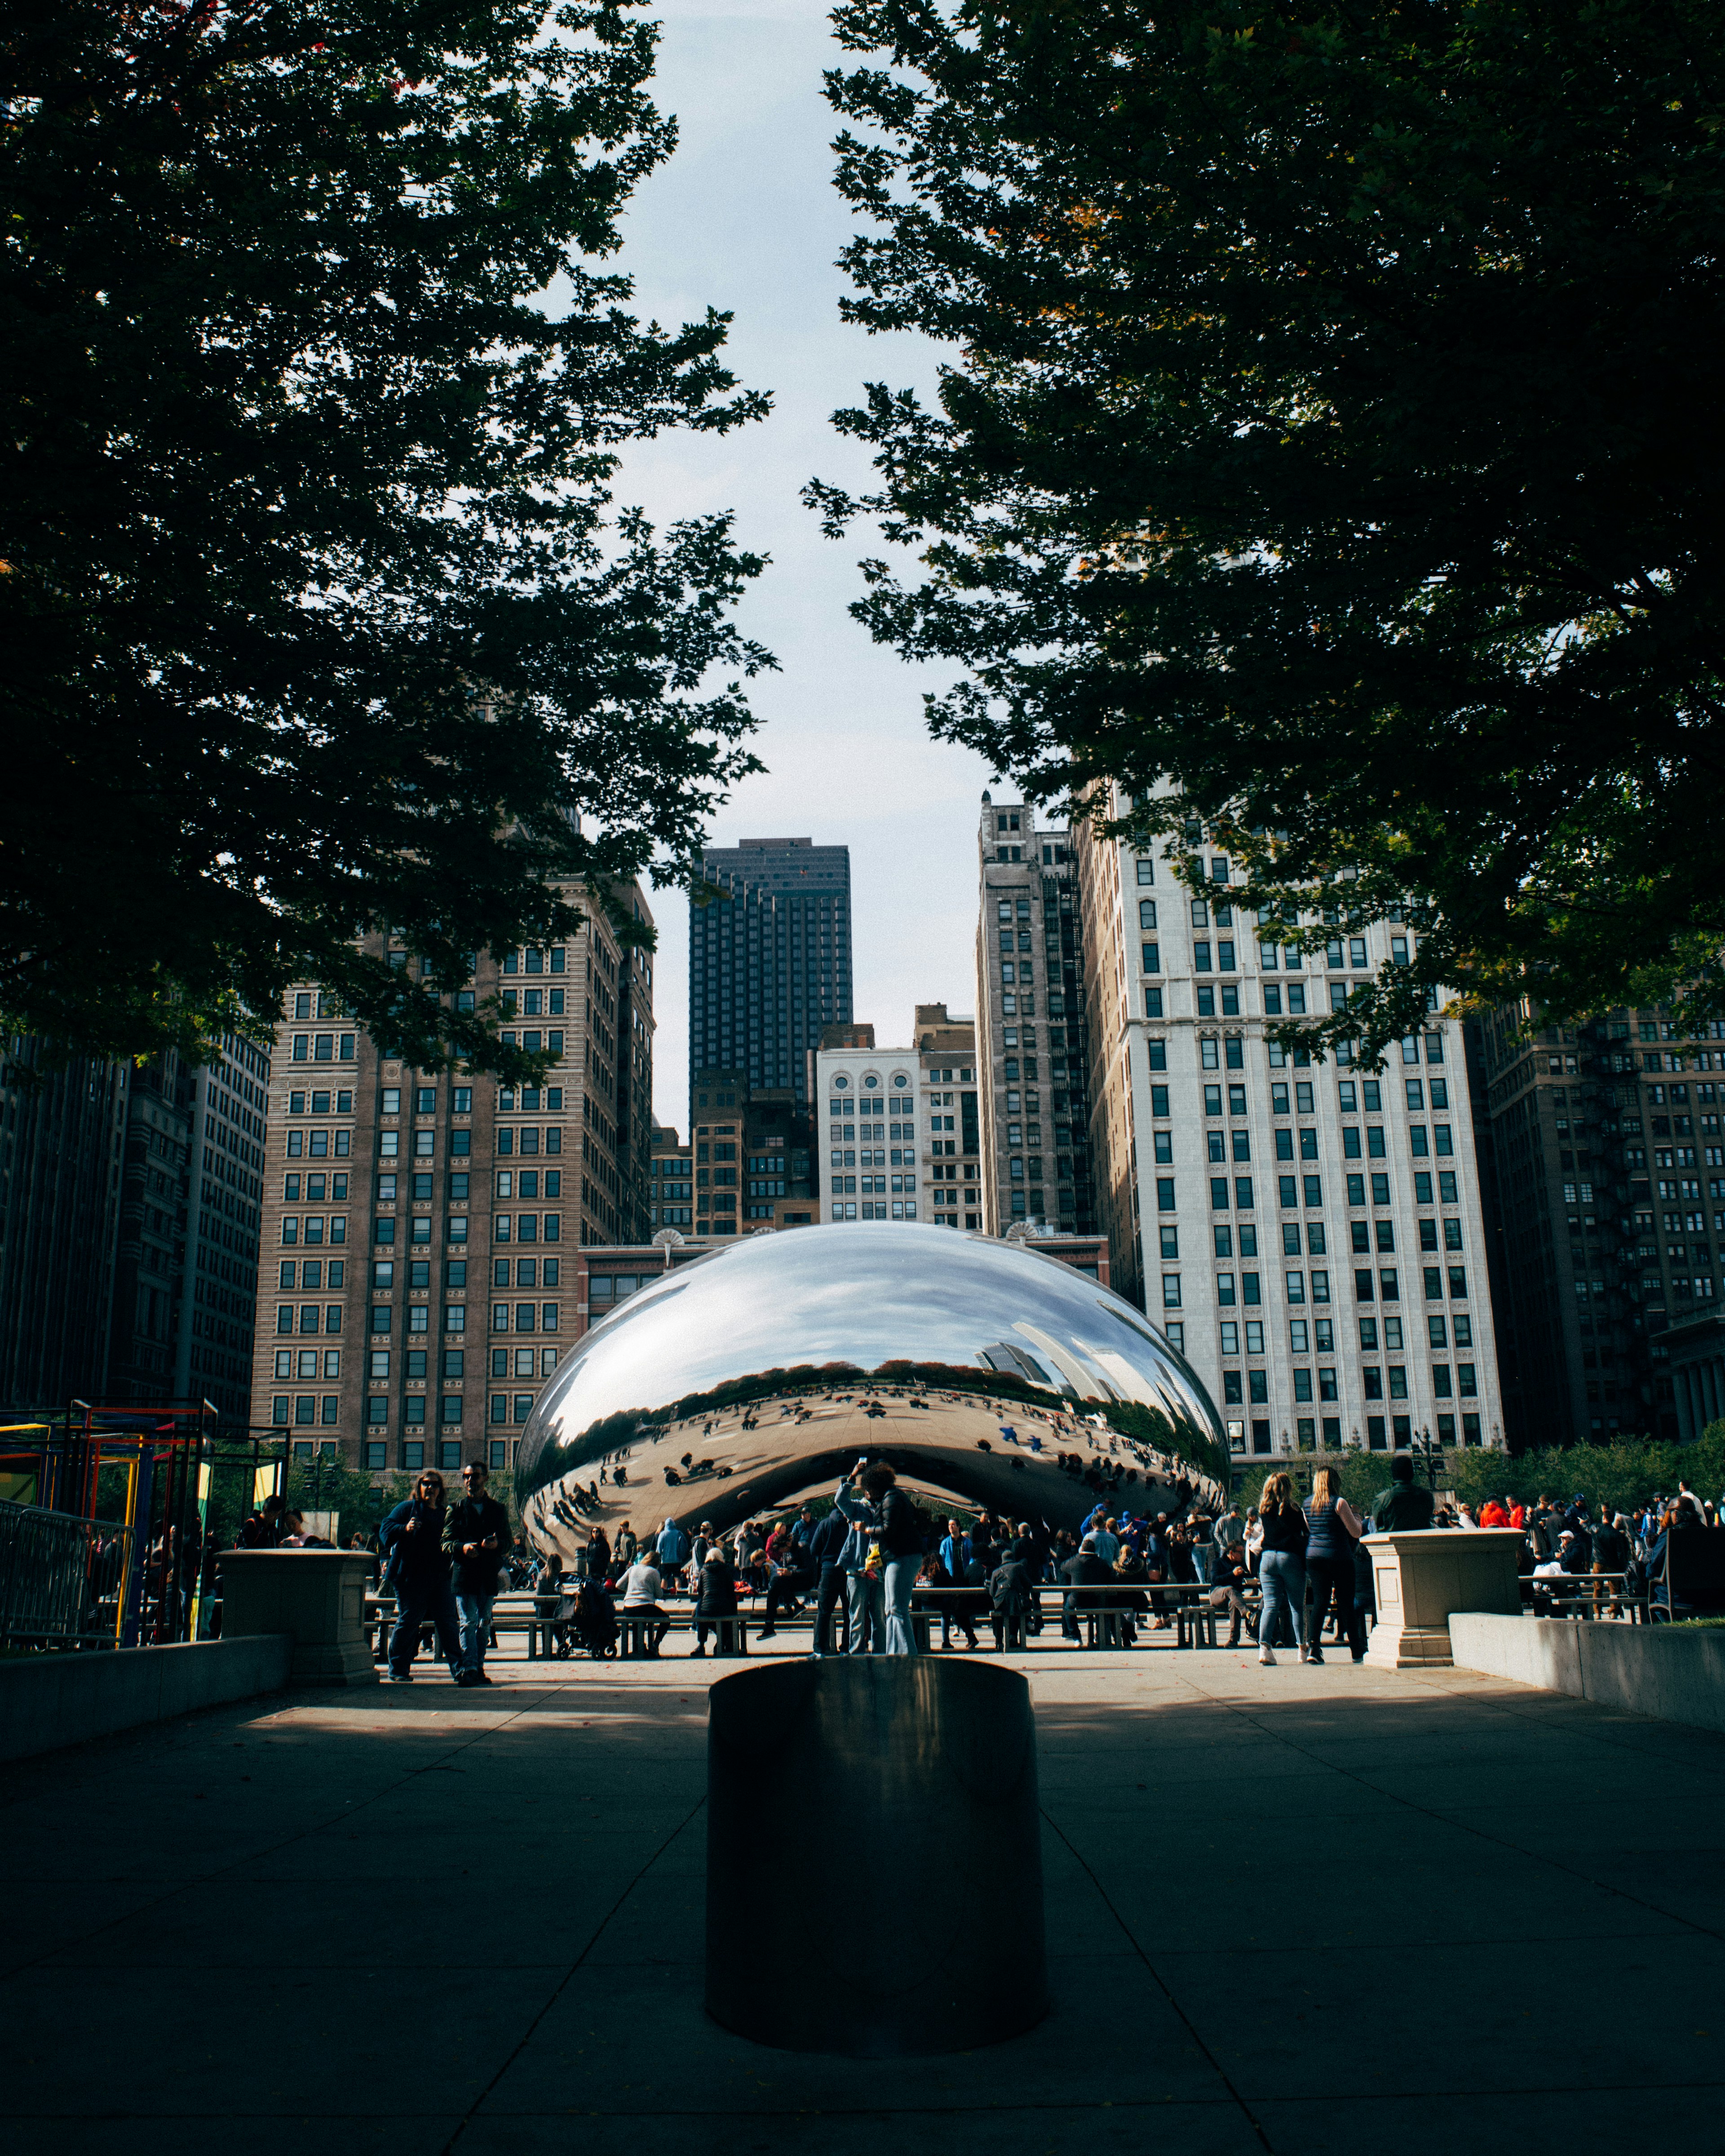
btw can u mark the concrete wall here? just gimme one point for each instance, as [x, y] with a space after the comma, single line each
[48, 1701]
[1645, 1669]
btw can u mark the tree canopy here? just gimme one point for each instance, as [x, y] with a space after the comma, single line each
[318, 617]
[1329, 452]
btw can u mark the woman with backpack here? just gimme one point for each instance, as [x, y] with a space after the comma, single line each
[1334, 1530]
[1282, 1567]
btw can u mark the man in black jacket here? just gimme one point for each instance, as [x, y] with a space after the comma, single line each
[826, 1548]
[416, 1570]
[476, 1537]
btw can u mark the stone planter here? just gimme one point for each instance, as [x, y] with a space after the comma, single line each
[1419, 1578]
[316, 1597]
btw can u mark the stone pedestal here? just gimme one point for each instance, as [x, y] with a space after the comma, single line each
[1419, 1578]
[889, 1802]
[316, 1597]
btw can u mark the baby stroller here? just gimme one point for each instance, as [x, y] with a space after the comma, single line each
[589, 1616]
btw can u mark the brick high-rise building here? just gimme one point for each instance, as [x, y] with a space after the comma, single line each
[671, 1187]
[416, 1223]
[751, 1146]
[770, 964]
[1030, 1021]
[1311, 1237]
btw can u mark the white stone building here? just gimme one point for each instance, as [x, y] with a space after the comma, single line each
[1310, 1236]
[895, 1131]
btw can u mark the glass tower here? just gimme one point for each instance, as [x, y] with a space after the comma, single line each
[769, 963]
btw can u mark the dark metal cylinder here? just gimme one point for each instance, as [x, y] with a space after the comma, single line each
[874, 1878]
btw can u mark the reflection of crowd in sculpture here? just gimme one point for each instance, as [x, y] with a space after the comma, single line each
[1109, 1464]
[862, 1570]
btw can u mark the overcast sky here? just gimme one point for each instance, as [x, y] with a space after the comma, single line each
[744, 217]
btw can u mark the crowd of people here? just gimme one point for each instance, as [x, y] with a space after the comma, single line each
[868, 1567]
[874, 1572]
[1291, 1572]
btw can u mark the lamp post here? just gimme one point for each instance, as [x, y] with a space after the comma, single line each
[1424, 1448]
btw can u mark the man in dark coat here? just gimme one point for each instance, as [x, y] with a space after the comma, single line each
[476, 1537]
[1403, 1507]
[416, 1571]
[826, 1550]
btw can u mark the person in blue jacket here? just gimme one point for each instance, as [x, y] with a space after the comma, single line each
[673, 1548]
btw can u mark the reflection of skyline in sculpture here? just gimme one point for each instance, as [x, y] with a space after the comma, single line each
[753, 1376]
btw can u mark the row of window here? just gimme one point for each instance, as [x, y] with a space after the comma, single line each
[535, 1043]
[322, 1048]
[526, 1183]
[524, 1316]
[520, 1361]
[316, 1273]
[850, 1183]
[1361, 1235]
[1378, 1437]
[304, 1362]
[310, 1315]
[315, 1226]
[503, 1409]
[1294, 1286]
[1317, 1335]
[526, 1227]
[374, 1454]
[1241, 1386]
[1348, 1096]
[317, 1188]
[418, 1319]
[1311, 1189]
[319, 1144]
[902, 1209]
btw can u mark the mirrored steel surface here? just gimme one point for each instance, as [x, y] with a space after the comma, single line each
[752, 1378]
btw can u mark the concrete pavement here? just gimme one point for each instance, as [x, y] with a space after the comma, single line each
[1290, 1910]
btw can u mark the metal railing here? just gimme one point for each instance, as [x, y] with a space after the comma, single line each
[61, 1578]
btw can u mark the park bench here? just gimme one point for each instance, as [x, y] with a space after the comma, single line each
[633, 1633]
[1585, 1594]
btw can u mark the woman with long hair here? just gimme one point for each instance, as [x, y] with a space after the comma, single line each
[1333, 1529]
[900, 1552]
[1282, 1567]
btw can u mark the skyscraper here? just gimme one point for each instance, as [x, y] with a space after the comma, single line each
[1030, 948]
[129, 1213]
[769, 964]
[60, 1221]
[1311, 1237]
[1610, 1208]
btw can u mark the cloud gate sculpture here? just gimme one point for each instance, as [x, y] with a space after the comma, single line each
[985, 1372]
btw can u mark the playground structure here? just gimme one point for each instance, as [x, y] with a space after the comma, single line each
[105, 1523]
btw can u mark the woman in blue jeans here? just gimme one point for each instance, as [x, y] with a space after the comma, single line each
[1282, 1567]
[900, 1551]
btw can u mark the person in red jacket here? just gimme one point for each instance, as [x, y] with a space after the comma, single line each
[1494, 1513]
